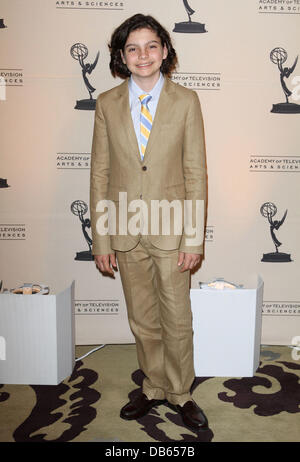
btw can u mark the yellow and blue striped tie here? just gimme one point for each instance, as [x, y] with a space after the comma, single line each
[146, 122]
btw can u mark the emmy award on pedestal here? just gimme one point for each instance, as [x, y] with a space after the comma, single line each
[268, 210]
[80, 208]
[80, 52]
[279, 56]
[189, 27]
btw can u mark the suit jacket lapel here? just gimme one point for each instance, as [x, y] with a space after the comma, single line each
[161, 115]
[126, 125]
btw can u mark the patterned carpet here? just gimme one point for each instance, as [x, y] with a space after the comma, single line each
[85, 407]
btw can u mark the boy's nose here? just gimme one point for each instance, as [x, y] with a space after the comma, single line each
[143, 53]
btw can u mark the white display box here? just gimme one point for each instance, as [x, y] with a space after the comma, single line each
[37, 338]
[227, 329]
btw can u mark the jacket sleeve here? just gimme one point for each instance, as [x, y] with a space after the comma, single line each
[194, 170]
[99, 179]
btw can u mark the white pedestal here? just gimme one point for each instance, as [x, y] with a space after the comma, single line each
[37, 338]
[227, 329]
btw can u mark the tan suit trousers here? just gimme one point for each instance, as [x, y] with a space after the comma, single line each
[159, 314]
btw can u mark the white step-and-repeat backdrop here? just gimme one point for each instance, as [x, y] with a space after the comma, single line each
[241, 59]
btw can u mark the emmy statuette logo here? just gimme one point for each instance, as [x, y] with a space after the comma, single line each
[3, 183]
[80, 52]
[279, 56]
[269, 210]
[189, 27]
[80, 208]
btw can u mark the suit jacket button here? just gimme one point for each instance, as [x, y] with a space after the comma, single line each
[144, 168]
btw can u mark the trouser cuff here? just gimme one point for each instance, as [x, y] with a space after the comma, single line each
[153, 393]
[158, 393]
[178, 399]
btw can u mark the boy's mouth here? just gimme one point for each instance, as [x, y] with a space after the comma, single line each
[144, 65]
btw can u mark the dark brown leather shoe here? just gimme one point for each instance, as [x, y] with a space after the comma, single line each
[193, 416]
[139, 407]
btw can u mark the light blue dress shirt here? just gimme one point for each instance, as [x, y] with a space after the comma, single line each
[135, 104]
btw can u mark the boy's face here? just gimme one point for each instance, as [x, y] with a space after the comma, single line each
[143, 55]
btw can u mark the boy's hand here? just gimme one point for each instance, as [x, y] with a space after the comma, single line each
[188, 260]
[106, 263]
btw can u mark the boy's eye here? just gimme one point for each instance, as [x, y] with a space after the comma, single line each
[131, 49]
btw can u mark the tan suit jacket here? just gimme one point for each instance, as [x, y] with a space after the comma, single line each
[173, 167]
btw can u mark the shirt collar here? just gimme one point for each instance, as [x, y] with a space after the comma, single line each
[136, 91]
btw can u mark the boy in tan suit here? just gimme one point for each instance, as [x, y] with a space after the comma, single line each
[148, 146]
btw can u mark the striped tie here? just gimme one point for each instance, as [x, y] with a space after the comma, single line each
[146, 122]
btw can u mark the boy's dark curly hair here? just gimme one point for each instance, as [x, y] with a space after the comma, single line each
[119, 38]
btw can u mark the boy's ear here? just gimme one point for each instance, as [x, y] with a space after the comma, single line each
[122, 56]
[165, 51]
